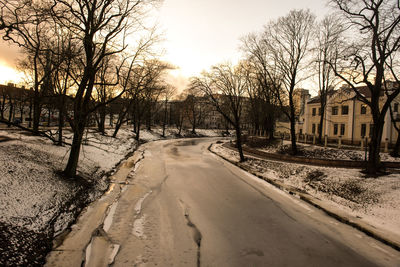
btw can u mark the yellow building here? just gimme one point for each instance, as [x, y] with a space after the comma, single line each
[346, 117]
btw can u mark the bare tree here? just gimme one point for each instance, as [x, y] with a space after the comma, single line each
[105, 91]
[147, 84]
[29, 25]
[327, 50]
[168, 93]
[101, 28]
[195, 110]
[178, 112]
[66, 53]
[370, 60]
[262, 92]
[287, 42]
[226, 88]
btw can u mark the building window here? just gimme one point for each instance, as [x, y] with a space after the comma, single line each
[363, 109]
[371, 129]
[313, 128]
[335, 110]
[319, 128]
[335, 129]
[314, 111]
[345, 110]
[319, 111]
[396, 107]
[363, 129]
[342, 129]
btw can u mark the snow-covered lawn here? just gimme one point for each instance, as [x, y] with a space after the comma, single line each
[36, 202]
[373, 200]
[314, 151]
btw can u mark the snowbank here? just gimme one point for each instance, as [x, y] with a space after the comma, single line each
[314, 151]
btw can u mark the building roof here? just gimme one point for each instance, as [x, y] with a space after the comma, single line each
[317, 99]
[364, 90]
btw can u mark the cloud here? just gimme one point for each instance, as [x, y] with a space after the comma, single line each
[177, 79]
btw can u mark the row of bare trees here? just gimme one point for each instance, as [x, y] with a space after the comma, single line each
[357, 45]
[81, 52]
[78, 52]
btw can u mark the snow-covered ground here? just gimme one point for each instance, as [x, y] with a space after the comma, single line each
[156, 133]
[314, 151]
[37, 203]
[373, 200]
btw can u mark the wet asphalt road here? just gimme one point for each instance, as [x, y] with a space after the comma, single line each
[184, 206]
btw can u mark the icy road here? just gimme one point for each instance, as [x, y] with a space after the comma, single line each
[181, 205]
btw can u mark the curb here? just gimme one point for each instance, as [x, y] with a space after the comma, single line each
[344, 218]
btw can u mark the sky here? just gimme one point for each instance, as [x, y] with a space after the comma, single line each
[199, 33]
[202, 33]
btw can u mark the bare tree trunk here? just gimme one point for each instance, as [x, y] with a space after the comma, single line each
[138, 131]
[321, 123]
[111, 122]
[49, 117]
[239, 142]
[165, 118]
[117, 127]
[61, 114]
[70, 169]
[293, 137]
[374, 163]
[270, 125]
[30, 112]
[148, 118]
[102, 120]
[10, 112]
[194, 122]
[292, 124]
[180, 129]
[36, 110]
[21, 112]
[3, 103]
[120, 121]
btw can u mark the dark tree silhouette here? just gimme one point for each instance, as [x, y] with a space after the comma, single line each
[226, 86]
[370, 59]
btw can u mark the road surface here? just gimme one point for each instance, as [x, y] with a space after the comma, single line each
[184, 206]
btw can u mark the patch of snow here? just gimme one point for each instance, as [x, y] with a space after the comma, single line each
[315, 151]
[138, 227]
[114, 252]
[88, 251]
[138, 206]
[110, 216]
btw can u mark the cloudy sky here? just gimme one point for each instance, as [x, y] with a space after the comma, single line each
[201, 33]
